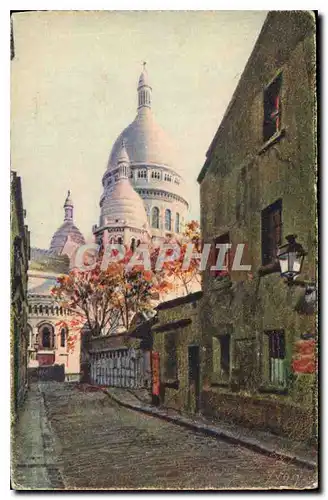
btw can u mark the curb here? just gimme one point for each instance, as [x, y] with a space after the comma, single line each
[218, 434]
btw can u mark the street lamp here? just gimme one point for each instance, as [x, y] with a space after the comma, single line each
[291, 258]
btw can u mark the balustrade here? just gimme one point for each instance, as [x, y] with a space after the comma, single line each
[117, 368]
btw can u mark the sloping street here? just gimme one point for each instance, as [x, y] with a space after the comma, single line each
[93, 443]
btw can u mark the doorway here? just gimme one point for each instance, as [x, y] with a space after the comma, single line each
[193, 378]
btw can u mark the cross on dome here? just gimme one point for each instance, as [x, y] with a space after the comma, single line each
[68, 201]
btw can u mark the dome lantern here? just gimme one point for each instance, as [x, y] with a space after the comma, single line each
[68, 207]
[144, 89]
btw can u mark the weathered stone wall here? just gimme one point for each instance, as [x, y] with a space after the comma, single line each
[19, 256]
[241, 177]
[179, 317]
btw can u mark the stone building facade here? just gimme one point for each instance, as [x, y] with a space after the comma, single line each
[177, 337]
[257, 186]
[48, 320]
[19, 257]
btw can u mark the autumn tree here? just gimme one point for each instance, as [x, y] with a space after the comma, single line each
[106, 297]
[188, 245]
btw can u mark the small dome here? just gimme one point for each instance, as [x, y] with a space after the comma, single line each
[59, 239]
[123, 205]
[66, 230]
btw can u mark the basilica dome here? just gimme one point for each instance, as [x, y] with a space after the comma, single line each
[145, 141]
[67, 230]
[143, 188]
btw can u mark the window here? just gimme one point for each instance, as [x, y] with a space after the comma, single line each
[62, 337]
[177, 222]
[133, 244]
[119, 240]
[155, 218]
[271, 232]
[171, 365]
[221, 357]
[168, 177]
[177, 180]
[142, 174]
[168, 219]
[277, 372]
[224, 239]
[272, 109]
[155, 174]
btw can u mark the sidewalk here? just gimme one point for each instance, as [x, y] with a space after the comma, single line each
[260, 441]
[33, 453]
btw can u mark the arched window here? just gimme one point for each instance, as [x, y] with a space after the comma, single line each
[35, 309]
[155, 218]
[177, 222]
[168, 219]
[63, 337]
[133, 244]
[119, 240]
[40, 309]
[46, 337]
[30, 309]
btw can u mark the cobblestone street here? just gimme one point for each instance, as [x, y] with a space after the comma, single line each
[99, 444]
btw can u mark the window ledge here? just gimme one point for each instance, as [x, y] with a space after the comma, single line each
[218, 380]
[272, 389]
[275, 138]
[171, 384]
[274, 267]
[219, 384]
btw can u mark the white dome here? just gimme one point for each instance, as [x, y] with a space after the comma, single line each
[145, 142]
[66, 230]
[123, 205]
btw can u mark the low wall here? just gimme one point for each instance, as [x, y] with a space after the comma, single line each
[47, 373]
[277, 416]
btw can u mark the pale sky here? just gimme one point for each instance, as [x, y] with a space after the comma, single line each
[74, 80]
